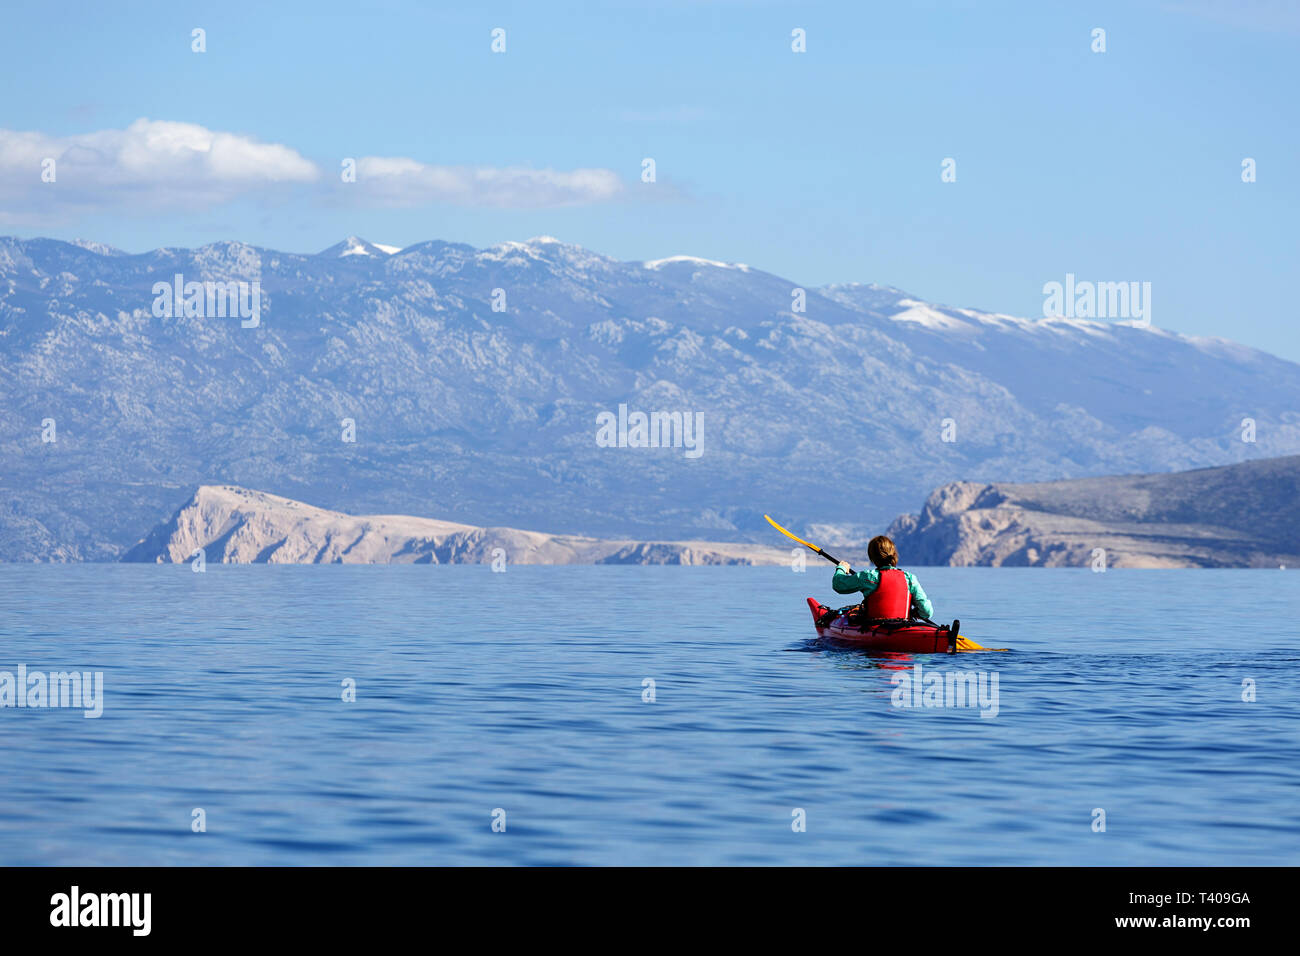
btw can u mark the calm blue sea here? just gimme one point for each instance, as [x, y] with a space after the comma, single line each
[523, 692]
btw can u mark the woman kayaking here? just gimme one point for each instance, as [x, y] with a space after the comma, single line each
[889, 593]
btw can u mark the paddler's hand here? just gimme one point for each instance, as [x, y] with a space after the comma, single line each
[844, 566]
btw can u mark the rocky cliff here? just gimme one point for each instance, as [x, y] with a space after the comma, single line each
[234, 525]
[1245, 515]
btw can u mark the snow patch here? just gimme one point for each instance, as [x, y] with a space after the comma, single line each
[98, 248]
[919, 313]
[694, 260]
[356, 246]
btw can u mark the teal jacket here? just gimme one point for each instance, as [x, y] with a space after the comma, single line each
[866, 582]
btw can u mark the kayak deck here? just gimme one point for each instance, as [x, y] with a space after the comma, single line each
[909, 637]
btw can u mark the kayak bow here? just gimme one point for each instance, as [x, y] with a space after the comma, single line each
[906, 637]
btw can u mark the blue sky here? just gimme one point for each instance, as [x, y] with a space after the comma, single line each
[821, 167]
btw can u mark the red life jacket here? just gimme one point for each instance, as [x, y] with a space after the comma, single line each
[891, 598]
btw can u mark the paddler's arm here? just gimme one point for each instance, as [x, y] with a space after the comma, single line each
[918, 596]
[846, 581]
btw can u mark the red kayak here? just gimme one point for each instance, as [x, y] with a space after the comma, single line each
[908, 637]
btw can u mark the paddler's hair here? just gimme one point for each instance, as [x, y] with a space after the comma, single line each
[882, 552]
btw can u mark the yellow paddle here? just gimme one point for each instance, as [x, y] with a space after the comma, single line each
[806, 544]
[963, 643]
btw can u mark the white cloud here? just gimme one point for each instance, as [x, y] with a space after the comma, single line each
[397, 181]
[152, 163]
[155, 165]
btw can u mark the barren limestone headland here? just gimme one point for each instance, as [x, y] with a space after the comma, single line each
[234, 525]
[1244, 515]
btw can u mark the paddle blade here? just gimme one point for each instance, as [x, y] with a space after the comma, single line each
[790, 535]
[966, 644]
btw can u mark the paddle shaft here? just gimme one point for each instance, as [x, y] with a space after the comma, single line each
[829, 557]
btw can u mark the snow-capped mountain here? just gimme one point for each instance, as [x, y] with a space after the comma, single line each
[356, 246]
[473, 379]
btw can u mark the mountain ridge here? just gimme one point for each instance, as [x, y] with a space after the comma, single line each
[474, 378]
